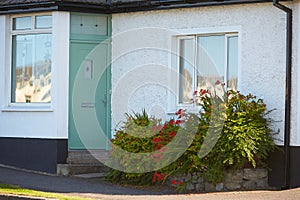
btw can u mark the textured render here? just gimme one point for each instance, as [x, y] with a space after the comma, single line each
[261, 54]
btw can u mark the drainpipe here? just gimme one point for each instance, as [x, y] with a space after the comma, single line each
[288, 86]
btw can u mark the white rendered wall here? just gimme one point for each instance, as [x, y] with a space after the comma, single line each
[261, 29]
[37, 122]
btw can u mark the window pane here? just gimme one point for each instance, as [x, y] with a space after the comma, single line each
[210, 57]
[43, 21]
[31, 68]
[22, 23]
[232, 63]
[186, 70]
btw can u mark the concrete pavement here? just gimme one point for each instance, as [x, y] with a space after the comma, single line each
[98, 189]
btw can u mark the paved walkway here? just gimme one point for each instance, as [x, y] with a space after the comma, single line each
[97, 189]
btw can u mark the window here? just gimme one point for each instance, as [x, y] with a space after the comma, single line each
[205, 59]
[31, 59]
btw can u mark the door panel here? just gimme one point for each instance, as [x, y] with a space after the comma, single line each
[89, 124]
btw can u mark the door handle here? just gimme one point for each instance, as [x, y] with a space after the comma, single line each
[104, 101]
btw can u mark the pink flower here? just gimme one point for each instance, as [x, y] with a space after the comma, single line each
[218, 82]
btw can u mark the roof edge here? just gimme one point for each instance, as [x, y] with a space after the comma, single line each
[119, 7]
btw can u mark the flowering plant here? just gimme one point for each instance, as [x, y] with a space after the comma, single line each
[232, 131]
[141, 134]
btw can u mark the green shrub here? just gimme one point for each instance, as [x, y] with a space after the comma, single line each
[245, 138]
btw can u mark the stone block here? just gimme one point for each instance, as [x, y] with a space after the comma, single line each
[200, 179]
[249, 184]
[190, 186]
[199, 187]
[233, 185]
[262, 183]
[188, 177]
[62, 170]
[209, 187]
[219, 187]
[233, 176]
[195, 179]
[255, 174]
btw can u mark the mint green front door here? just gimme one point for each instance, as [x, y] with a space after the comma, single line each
[89, 95]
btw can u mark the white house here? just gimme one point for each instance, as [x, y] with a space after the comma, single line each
[70, 70]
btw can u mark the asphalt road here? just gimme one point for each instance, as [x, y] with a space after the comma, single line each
[98, 189]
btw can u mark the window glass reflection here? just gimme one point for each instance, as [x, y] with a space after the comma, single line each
[31, 68]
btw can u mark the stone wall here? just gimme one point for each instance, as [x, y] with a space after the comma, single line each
[245, 179]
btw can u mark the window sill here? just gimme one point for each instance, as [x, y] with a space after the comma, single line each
[28, 109]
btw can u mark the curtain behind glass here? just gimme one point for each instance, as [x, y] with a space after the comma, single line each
[210, 60]
[186, 70]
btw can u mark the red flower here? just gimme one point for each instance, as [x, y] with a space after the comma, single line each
[179, 121]
[156, 148]
[195, 92]
[174, 182]
[156, 140]
[172, 134]
[180, 183]
[161, 176]
[178, 112]
[171, 122]
[154, 177]
[203, 92]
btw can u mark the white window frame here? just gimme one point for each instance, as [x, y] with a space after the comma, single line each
[194, 33]
[20, 106]
[187, 106]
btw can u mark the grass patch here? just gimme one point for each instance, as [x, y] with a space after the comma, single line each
[16, 190]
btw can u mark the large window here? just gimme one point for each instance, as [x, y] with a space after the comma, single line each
[204, 60]
[31, 59]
